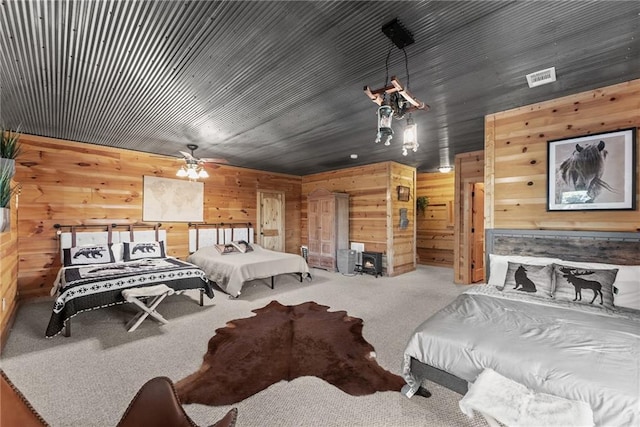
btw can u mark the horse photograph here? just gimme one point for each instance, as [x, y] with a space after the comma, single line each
[592, 171]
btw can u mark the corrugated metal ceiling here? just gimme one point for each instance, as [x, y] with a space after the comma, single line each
[277, 85]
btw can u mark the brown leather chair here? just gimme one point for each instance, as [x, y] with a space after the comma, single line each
[157, 404]
[15, 409]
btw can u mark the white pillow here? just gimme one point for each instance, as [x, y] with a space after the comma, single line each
[139, 250]
[499, 264]
[117, 249]
[627, 284]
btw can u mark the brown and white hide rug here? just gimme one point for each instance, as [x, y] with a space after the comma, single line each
[282, 343]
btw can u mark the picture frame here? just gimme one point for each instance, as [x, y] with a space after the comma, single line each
[592, 172]
[403, 193]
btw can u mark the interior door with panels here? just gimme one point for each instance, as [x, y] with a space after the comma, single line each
[271, 209]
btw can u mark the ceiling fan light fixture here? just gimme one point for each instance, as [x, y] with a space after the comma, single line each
[192, 174]
[193, 168]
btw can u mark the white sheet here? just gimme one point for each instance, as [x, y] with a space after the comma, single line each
[585, 353]
[230, 271]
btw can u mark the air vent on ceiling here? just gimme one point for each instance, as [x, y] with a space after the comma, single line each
[542, 77]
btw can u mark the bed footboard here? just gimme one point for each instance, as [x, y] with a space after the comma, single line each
[438, 376]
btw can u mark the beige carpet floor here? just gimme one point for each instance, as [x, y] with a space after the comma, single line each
[89, 378]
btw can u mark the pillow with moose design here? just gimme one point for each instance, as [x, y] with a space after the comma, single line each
[584, 285]
[535, 280]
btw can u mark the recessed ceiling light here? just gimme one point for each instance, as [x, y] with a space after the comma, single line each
[354, 156]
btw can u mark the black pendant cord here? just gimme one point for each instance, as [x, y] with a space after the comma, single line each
[406, 67]
[386, 76]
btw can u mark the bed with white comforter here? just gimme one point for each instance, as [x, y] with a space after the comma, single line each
[231, 271]
[552, 317]
[579, 352]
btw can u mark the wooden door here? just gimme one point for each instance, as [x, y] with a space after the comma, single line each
[271, 220]
[477, 232]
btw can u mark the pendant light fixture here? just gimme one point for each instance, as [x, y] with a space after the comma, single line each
[385, 117]
[393, 99]
[410, 137]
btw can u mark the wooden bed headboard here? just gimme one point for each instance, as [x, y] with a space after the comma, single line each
[610, 247]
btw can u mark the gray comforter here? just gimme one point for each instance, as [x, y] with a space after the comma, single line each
[581, 352]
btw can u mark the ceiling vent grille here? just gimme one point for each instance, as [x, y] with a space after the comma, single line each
[542, 77]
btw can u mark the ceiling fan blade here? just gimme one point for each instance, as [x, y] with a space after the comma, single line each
[212, 160]
[187, 155]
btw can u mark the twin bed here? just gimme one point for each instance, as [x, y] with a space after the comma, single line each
[569, 326]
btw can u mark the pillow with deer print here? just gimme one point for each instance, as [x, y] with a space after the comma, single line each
[584, 285]
[535, 280]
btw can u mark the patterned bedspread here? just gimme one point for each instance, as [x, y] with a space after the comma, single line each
[88, 287]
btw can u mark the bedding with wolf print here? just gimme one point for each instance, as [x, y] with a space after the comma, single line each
[532, 279]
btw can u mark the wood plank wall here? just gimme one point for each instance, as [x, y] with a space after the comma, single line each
[435, 226]
[469, 167]
[401, 242]
[8, 273]
[370, 206]
[74, 183]
[516, 156]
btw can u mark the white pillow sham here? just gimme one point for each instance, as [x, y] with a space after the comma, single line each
[117, 250]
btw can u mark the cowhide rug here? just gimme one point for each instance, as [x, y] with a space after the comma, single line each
[282, 343]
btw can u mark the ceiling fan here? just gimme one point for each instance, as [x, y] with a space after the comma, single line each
[190, 158]
[194, 167]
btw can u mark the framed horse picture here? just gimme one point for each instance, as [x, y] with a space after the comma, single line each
[592, 172]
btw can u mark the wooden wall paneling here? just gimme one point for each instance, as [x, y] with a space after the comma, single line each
[74, 183]
[9, 272]
[516, 146]
[489, 171]
[435, 226]
[367, 188]
[392, 204]
[469, 168]
[401, 242]
[369, 199]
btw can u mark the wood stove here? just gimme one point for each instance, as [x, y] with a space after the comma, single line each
[372, 263]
